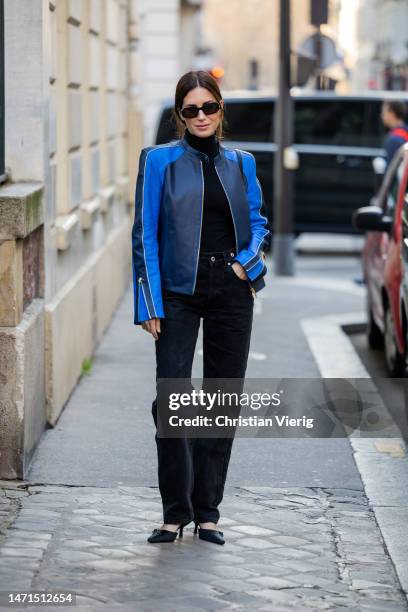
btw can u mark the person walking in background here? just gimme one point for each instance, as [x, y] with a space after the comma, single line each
[197, 244]
[393, 115]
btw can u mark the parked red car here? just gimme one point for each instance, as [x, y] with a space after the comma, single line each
[385, 264]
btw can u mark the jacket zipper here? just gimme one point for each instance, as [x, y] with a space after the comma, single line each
[232, 215]
[201, 223]
[140, 282]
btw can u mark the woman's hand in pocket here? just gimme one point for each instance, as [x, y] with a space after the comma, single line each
[153, 327]
[239, 270]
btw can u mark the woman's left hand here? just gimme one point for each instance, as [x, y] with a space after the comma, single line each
[239, 270]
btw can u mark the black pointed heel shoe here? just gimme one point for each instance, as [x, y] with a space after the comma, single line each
[165, 535]
[209, 535]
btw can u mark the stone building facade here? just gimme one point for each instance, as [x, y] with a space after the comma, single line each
[374, 36]
[381, 58]
[244, 37]
[83, 82]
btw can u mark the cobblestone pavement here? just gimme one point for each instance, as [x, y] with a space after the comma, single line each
[297, 548]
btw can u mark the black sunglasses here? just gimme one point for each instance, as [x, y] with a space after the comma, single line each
[208, 108]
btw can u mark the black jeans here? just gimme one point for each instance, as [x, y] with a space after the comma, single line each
[192, 471]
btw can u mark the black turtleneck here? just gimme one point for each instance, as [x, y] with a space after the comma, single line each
[206, 144]
[217, 231]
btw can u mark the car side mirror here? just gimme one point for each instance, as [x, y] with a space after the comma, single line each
[371, 218]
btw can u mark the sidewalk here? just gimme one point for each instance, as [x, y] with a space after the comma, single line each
[300, 533]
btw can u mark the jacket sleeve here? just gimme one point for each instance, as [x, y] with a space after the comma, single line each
[147, 293]
[250, 257]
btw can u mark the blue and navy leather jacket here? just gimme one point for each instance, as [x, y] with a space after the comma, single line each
[166, 231]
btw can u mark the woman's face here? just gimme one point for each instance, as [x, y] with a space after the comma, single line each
[202, 125]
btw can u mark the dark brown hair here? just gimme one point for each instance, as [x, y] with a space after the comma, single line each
[397, 107]
[191, 80]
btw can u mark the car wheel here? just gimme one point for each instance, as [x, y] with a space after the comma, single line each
[375, 337]
[395, 361]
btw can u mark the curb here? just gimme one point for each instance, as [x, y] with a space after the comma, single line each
[383, 470]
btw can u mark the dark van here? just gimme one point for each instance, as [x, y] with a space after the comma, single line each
[336, 137]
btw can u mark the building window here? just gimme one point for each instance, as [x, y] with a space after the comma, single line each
[2, 126]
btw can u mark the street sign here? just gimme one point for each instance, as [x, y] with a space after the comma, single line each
[319, 12]
[305, 67]
[327, 51]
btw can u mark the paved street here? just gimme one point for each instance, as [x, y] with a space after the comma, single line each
[300, 531]
[305, 547]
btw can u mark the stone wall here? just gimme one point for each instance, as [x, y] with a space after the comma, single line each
[65, 239]
[22, 373]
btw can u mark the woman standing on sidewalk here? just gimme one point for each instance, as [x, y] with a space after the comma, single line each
[196, 249]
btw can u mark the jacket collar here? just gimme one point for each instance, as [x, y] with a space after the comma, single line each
[200, 154]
